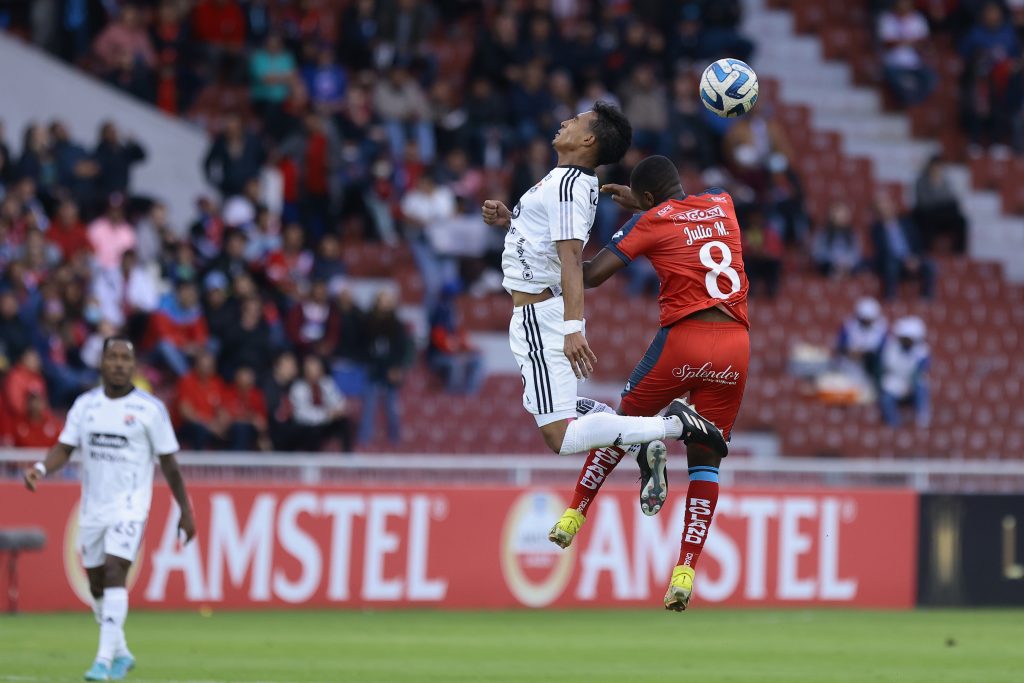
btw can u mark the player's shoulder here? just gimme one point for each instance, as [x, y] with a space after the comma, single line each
[87, 398]
[567, 180]
[148, 402]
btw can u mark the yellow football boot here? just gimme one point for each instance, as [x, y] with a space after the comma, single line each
[565, 529]
[679, 589]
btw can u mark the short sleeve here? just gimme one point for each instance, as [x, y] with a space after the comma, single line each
[632, 240]
[577, 207]
[71, 435]
[161, 433]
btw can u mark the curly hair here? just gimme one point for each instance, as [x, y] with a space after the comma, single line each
[613, 131]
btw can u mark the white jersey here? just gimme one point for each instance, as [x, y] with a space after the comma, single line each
[119, 441]
[562, 206]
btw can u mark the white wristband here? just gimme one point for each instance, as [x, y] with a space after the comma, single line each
[40, 467]
[572, 326]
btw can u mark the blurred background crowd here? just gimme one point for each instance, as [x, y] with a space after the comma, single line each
[341, 123]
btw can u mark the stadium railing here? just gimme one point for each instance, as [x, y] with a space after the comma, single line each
[924, 475]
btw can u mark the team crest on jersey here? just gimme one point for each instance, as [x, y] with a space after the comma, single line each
[129, 420]
[694, 215]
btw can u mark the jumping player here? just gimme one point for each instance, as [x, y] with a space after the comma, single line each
[120, 432]
[543, 268]
[702, 348]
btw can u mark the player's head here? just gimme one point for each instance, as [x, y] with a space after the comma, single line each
[117, 364]
[654, 180]
[604, 133]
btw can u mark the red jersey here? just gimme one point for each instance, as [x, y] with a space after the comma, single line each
[694, 245]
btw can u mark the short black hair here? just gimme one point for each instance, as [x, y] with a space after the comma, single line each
[613, 131]
[117, 338]
[657, 175]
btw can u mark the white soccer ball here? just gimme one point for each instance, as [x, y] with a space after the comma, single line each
[728, 88]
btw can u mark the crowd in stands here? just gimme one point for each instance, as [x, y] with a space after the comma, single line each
[384, 120]
[987, 37]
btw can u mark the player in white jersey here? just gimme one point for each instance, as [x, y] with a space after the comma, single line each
[120, 433]
[543, 268]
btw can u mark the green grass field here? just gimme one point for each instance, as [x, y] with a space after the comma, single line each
[705, 645]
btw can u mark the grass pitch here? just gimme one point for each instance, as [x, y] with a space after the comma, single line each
[706, 645]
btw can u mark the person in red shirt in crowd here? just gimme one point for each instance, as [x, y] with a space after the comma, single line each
[177, 330]
[291, 264]
[314, 324]
[315, 150]
[67, 232]
[39, 428]
[247, 411]
[24, 379]
[201, 405]
[450, 354]
[219, 23]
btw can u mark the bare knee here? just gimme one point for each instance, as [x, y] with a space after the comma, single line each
[115, 572]
[96, 581]
[554, 434]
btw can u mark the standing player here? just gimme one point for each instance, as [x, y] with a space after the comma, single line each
[120, 432]
[702, 348]
[543, 268]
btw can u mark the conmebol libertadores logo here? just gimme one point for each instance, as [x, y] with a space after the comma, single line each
[535, 569]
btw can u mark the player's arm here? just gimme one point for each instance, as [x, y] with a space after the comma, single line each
[600, 268]
[56, 458]
[496, 213]
[582, 359]
[176, 482]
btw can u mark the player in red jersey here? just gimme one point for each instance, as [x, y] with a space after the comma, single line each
[702, 348]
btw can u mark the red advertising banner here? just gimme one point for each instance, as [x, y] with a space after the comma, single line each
[482, 547]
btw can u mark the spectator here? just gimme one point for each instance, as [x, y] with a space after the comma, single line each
[861, 338]
[937, 209]
[39, 427]
[219, 24]
[219, 310]
[991, 78]
[901, 31]
[37, 161]
[428, 203]
[201, 405]
[837, 250]
[315, 151]
[450, 354]
[276, 389]
[272, 70]
[353, 323]
[403, 106]
[291, 265]
[905, 363]
[115, 159]
[326, 83]
[23, 380]
[386, 349]
[177, 330]
[754, 145]
[645, 103]
[77, 171]
[234, 158]
[762, 255]
[247, 412]
[68, 233]
[693, 142]
[899, 253]
[15, 335]
[248, 340]
[128, 294]
[230, 262]
[530, 103]
[125, 37]
[319, 411]
[111, 235]
[314, 325]
[327, 265]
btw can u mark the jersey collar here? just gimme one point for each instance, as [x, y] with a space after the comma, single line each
[584, 169]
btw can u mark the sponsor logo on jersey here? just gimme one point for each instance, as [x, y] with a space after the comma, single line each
[108, 440]
[707, 373]
[717, 198]
[694, 215]
[519, 206]
[664, 210]
[593, 196]
[618, 235]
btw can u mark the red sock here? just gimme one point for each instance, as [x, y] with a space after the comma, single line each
[701, 498]
[598, 465]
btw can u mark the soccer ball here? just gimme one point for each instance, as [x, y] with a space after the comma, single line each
[728, 88]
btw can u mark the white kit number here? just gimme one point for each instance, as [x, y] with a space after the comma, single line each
[718, 268]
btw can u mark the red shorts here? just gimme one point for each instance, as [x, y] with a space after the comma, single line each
[708, 360]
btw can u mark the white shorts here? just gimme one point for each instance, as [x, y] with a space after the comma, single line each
[120, 540]
[549, 384]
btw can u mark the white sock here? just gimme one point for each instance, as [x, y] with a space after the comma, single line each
[598, 430]
[97, 609]
[586, 406]
[115, 611]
